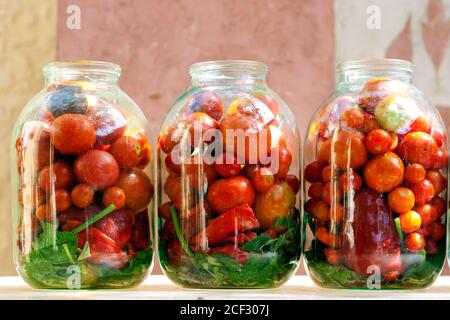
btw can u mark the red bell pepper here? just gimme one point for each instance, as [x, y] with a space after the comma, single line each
[233, 221]
[194, 220]
[373, 239]
[241, 238]
[103, 249]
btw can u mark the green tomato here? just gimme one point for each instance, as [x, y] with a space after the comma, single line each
[88, 274]
[396, 113]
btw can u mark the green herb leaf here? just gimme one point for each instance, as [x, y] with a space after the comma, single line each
[95, 218]
[176, 225]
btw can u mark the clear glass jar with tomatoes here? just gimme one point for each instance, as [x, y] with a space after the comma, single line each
[229, 163]
[81, 180]
[375, 182]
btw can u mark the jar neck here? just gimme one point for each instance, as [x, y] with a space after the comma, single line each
[228, 73]
[102, 74]
[355, 73]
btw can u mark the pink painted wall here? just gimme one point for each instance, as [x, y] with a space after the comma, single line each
[156, 41]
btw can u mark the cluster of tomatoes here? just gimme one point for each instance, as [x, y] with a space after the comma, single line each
[380, 141]
[221, 205]
[78, 157]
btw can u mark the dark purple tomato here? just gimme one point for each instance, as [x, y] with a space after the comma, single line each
[109, 122]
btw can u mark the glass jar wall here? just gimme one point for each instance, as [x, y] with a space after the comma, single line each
[229, 163]
[81, 180]
[375, 182]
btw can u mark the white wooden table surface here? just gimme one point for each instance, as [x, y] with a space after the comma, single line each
[160, 288]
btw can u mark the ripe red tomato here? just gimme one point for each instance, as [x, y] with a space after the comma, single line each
[414, 173]
[324, 151]
[249, 170]
[198, 123]
[114, 195]
[410, 221]
[278, 201]
[438, 181]
[58, 176]
[263, 179]
[96, 168]
[414, 242]
[423, 191]
[421, 124]
[401, 200]
[228, 193]
[228, 166]
[82, 195]
[439, 136]
[137, 187]
[350, 181]
[313, 171]
[334, 256]
[128, 152]
[384, 173]
[369, 122]
[62, 200]
[395, 140]
[73, 134]
[281, 162]
[44, 213]
[441, 159]
[200, 176]
[164, 211]
[332, 193]
[349, 150]
[168, 139]
[321, 211]
[439, 204]
[253, 145]
[336, 213]
[170, 165]
[309, 206]
[438, 231]
[419, 147]
[326, 174]
[352, 118]
[315, 191]
[427, 213]
[179, 196]
[378, 141]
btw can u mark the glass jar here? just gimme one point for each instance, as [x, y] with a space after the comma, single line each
[81, 176]
[375, 182]
[229, 163]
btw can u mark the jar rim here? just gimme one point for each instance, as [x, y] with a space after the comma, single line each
[96, 67]
[249, 67]
[377, 64]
